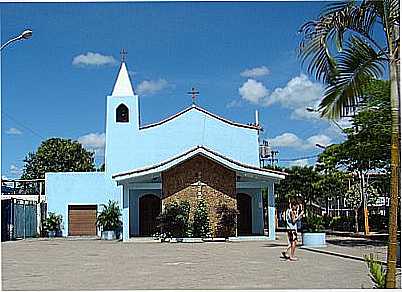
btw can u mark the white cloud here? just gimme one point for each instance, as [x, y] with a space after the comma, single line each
[15, 170]
[13, 131]
[286, 140]
[253, 91]
[298, 94]
[94, 142]
[321, 139]
[299, 162]
[255, 72]
[234, 103]
[151, 86]
[291, 140]
[93, 59]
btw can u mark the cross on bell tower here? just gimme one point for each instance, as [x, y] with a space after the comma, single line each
[194, 93]
[123, 55]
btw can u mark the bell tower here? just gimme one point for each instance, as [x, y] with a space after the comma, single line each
[122, 121]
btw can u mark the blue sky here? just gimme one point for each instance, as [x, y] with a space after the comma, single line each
[240, 56]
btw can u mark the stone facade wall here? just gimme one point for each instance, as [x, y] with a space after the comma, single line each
[200, 177]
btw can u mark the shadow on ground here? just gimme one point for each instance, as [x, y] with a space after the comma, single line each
[356, 242]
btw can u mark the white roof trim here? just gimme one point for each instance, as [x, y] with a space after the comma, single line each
[236, 166]
[123, 87]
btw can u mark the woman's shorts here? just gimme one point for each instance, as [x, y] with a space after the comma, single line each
[292, 235]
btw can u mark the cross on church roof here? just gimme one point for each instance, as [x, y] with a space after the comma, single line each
[123, 54]
[194, 94]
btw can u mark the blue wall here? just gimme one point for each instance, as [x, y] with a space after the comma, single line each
[64, 188]
[129, 147]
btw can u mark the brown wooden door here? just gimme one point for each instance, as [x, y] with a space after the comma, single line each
[82, 220]
[244, 221]
[150, 207]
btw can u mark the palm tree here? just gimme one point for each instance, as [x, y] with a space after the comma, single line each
[346, 46]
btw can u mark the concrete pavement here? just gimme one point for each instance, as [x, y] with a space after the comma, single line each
[62, 264]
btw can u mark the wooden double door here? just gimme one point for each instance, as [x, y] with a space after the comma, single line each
[150, 208]
[244, 218]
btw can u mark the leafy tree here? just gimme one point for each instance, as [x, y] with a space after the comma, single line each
[353, 200]
[201, 227]
[57, 155]
[347, 45]
[330, 185]
[368, 143]
[300, 182]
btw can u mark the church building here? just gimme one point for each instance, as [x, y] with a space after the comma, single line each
[189, 155]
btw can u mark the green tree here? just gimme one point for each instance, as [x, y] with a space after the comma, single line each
[300, 182]
[344, 49]
[330, 185]
[57, 155]
[201, 226]
[367, 147]
[368, 143]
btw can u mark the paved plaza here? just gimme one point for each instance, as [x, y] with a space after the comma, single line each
[63, 264]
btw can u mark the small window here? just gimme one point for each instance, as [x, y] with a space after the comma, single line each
[122, 114]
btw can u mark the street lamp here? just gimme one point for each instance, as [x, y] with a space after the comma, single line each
[321, 146]
[26, 34]
[313, 110]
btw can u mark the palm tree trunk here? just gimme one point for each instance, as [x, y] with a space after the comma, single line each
[395, 166]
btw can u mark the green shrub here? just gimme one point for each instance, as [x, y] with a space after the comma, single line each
[377, 271]
[201, 226]
[109, 218]
[53, 222]
[326, 221]
[174, 220]
[226, 221]
[313, 224]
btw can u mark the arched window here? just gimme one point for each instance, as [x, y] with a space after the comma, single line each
[122, 114]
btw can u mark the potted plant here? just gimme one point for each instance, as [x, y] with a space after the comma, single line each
[313, 233]
[109, 220]
[53, 225]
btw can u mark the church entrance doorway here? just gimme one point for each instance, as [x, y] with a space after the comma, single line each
[244, 221]
[150, 207]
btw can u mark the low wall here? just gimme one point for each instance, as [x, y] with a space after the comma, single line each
[78, 188]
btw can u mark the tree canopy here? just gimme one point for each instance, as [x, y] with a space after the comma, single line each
[57, 155]
[368, 143]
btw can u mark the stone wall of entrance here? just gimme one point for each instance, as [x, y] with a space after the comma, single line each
[196, 177]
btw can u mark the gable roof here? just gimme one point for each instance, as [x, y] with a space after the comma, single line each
[200, 150]
[200, 109]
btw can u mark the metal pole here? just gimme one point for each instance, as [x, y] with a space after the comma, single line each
[10, 41]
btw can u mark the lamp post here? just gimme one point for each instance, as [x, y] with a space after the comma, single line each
[313, 110]
[26, 34]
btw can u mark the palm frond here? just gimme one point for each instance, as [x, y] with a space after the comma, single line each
[357, 64]
[333, 23]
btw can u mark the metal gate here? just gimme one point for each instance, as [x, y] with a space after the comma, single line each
[19, 219]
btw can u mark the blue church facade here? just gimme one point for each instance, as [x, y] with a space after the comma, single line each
[193, 153]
